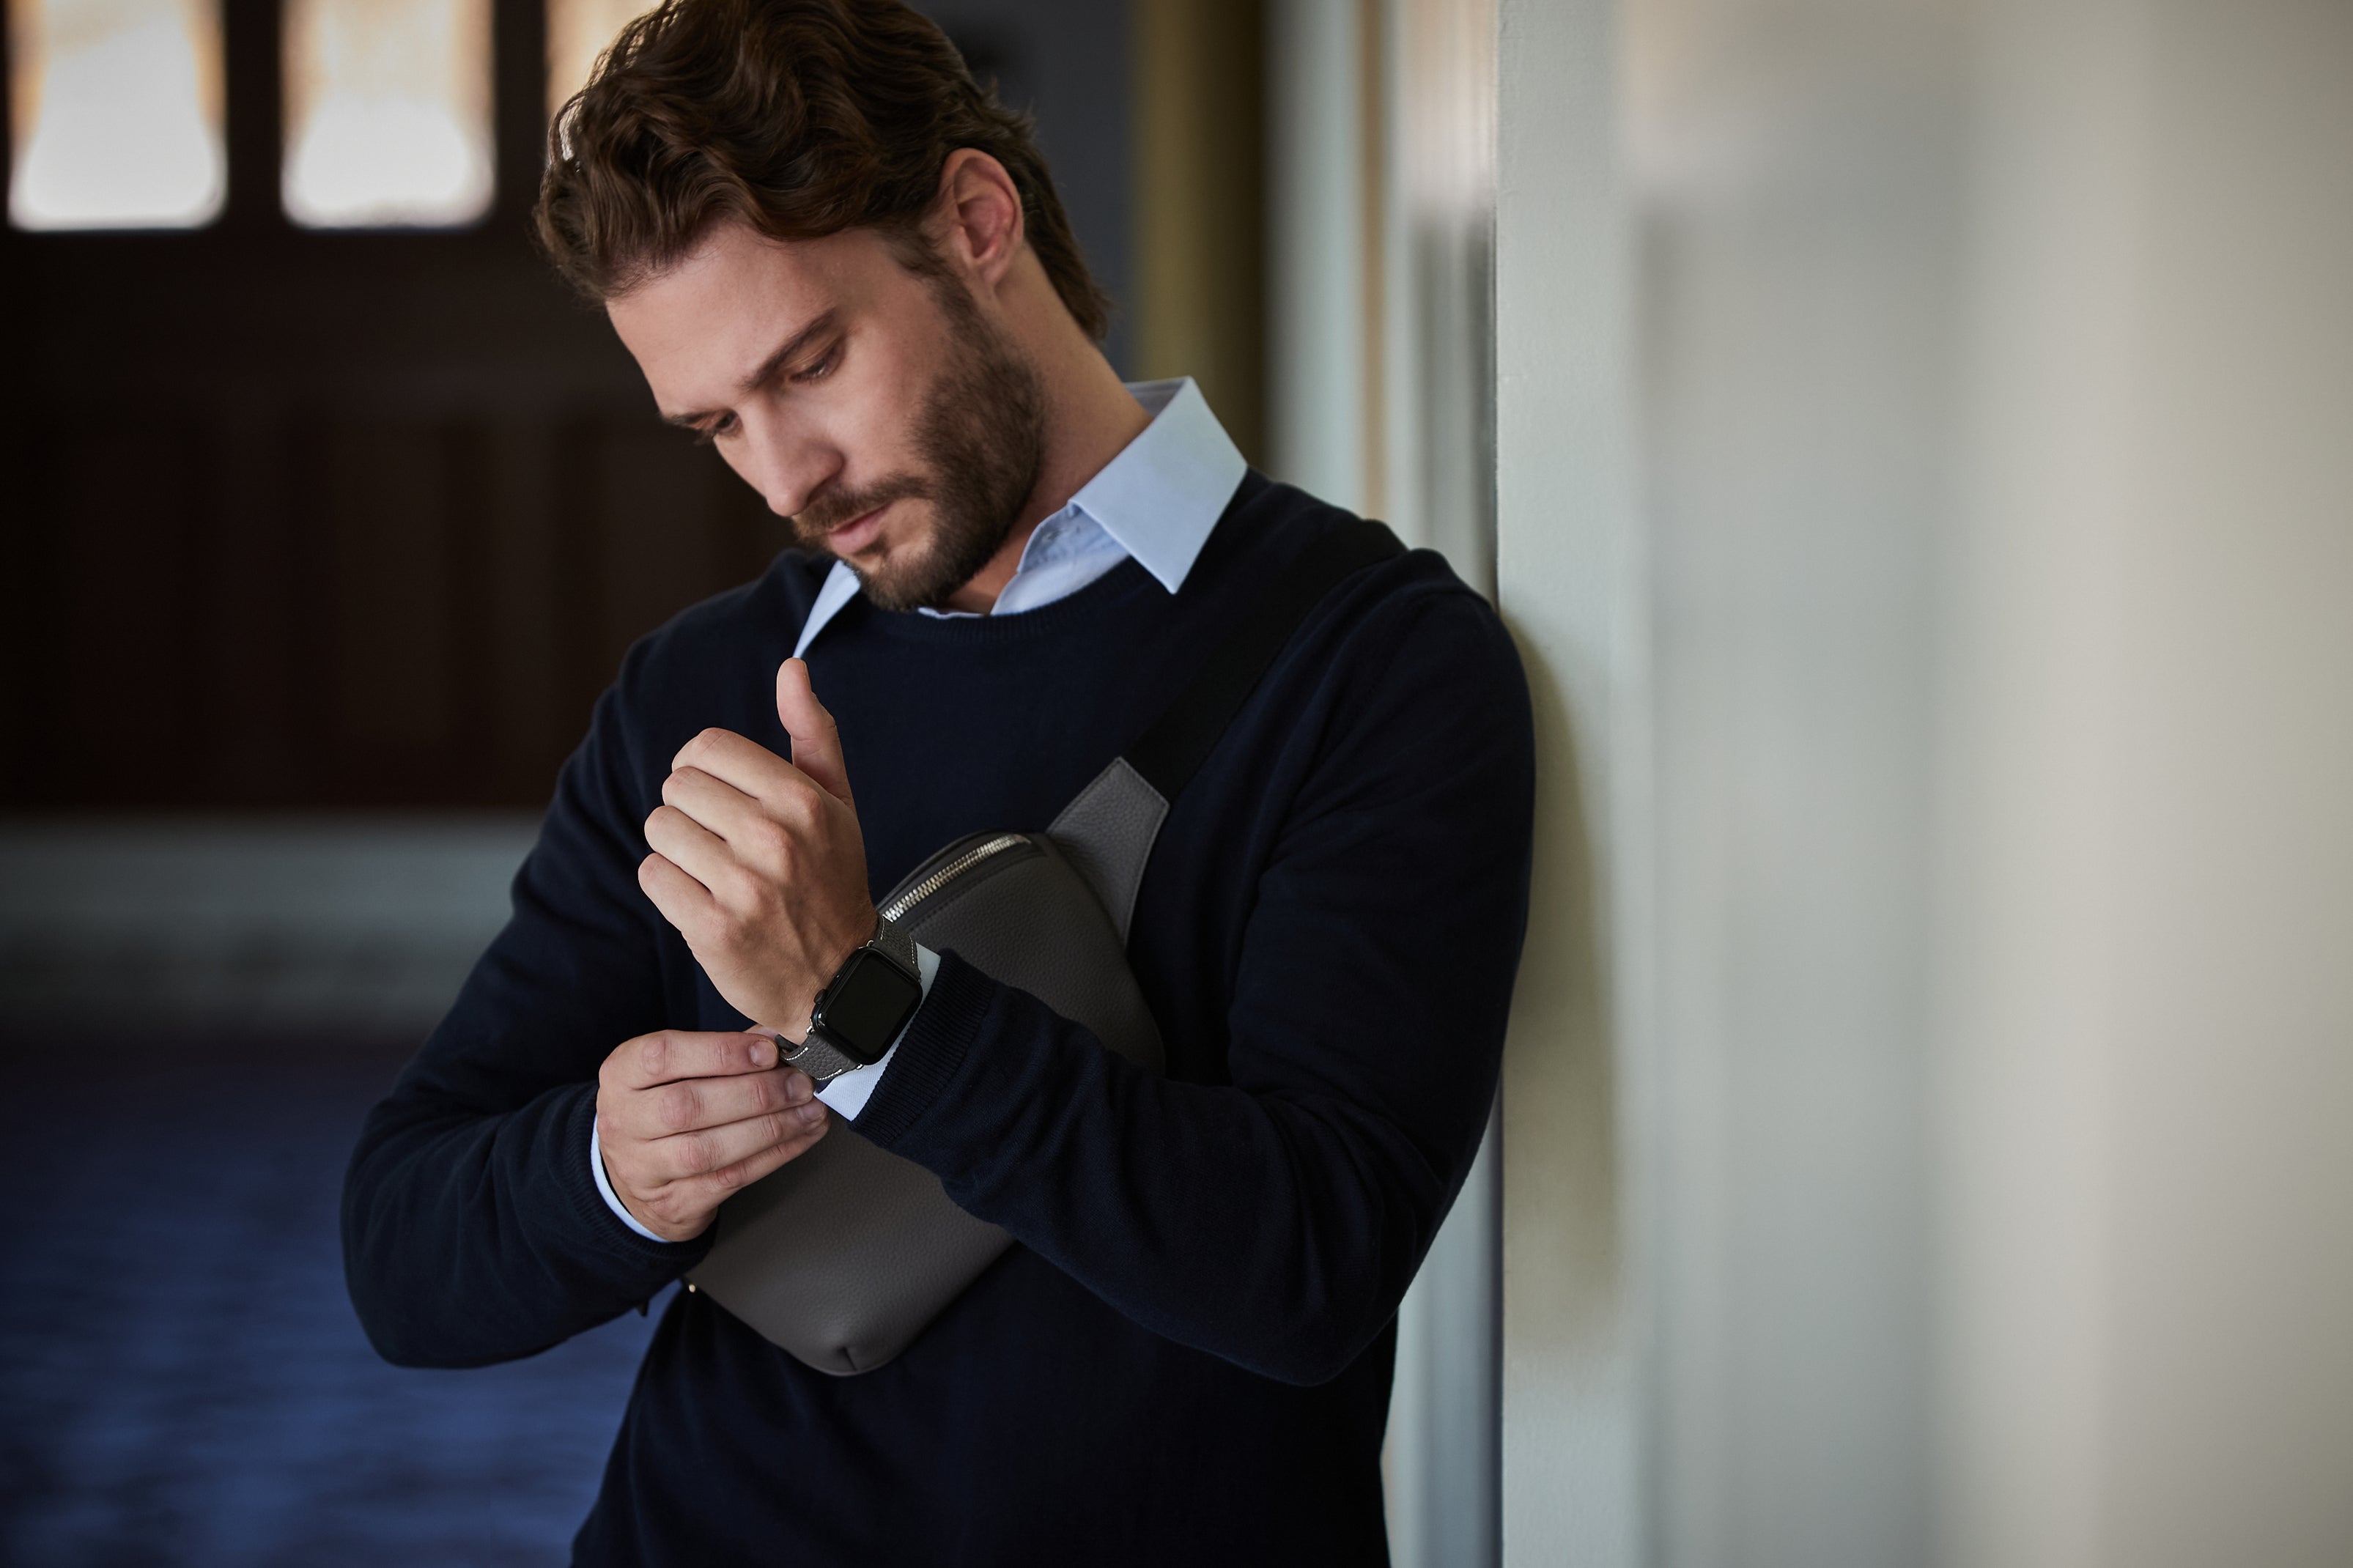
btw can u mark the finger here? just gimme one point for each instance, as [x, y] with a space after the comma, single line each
[683, 900]
[712, 802]
[686, 1155]
[748, 765]
[690, 1105]
[689, 846]
[683, 1208]
[817, 740]
[715, 1187]
[668, 1055]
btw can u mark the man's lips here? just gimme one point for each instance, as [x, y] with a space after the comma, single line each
[856, 535]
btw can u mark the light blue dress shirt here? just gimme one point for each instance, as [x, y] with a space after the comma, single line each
[1156, 502]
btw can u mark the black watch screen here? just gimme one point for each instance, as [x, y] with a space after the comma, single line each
[868, 1004]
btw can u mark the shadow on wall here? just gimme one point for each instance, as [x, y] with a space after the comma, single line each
[1563, 1054]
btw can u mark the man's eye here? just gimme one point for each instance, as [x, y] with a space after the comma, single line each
[723, 425]
[819, 369]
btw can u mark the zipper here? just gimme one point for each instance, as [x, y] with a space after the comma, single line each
[899, 905]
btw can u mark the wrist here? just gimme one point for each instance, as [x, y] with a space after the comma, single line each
[624, 1208]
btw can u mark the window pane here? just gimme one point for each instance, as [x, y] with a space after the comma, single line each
[577, 32]
[117, 113]
[388, 112]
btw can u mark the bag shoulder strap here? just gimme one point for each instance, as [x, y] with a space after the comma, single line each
[1107, 833]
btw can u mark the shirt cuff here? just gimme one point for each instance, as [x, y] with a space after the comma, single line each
[605, 1187]
[845, 1094]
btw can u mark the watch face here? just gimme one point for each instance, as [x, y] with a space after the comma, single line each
[867, 1005]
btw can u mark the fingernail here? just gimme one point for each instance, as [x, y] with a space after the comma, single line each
[813, 1112]
[764, 1051]
[797, 1087]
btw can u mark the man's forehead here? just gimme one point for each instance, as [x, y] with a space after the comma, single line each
[730, 273]
[732, 298]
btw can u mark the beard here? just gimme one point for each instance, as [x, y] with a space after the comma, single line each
[980, 436]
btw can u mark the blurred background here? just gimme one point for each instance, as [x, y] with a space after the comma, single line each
[1909, 439]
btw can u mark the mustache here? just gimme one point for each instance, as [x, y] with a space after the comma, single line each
[833, 508]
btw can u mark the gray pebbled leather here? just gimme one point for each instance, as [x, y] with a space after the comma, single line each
[847, 1253]
[814, 1056]
[1108, 832]
[891, 939]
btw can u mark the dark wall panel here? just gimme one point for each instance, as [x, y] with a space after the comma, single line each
[342, 610]
[128, 703]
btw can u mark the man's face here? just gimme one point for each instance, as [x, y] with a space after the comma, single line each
[877, 409]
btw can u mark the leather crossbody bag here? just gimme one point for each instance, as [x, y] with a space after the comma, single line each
[844, 1255]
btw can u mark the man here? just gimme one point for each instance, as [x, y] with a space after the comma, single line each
[839, 263]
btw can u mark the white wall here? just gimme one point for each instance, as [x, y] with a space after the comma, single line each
[1796, 180]
[1571, 568]
[1924, 501]
[2147, 1037]
[1318, 358]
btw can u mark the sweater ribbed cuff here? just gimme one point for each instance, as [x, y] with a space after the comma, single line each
[929, 1054]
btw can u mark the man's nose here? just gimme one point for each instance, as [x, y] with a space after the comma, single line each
[788, 466]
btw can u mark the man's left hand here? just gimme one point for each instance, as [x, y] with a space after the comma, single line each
[759, 862]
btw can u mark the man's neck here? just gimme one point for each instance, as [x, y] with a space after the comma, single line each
[1090, 420]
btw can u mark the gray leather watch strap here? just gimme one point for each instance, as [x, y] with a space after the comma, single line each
[817, 1056]
[891, 941]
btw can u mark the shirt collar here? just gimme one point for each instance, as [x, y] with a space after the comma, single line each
[1158, 500]
[1164, 493]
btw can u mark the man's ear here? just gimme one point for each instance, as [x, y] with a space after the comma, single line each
[980, 214]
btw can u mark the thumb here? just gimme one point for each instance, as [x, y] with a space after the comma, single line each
[816, 743]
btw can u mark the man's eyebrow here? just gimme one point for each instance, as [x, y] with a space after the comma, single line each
[786, 351]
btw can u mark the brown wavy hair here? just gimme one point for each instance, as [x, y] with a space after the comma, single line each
[802, 118]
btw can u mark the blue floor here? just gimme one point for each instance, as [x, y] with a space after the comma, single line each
[182, 1379]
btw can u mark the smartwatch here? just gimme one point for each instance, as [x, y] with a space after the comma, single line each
[863, 1007]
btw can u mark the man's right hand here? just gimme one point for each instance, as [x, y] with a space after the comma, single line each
[685, 1118]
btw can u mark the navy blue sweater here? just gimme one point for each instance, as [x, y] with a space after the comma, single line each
[1186, 1356]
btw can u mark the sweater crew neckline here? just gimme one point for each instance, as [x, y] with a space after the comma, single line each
[1119, 585]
